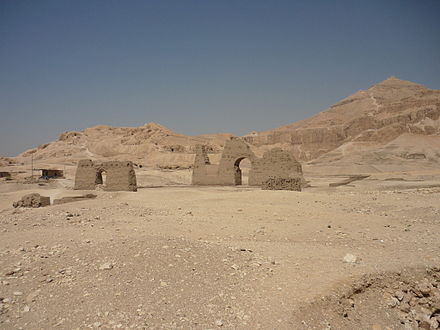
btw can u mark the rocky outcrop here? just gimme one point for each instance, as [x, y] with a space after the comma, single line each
[151, 145]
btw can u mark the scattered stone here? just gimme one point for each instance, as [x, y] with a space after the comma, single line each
[106, 266]
[12, 272]
[350, 258]
[32, 296]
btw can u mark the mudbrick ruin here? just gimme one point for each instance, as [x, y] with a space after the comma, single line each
[119, 175]
[275, 163]
[32, 200]
[282, 184]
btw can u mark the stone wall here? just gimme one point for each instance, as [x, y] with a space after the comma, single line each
[278, 183]
[275, 162]
[120, 175]
[204, 173]
[86, 174]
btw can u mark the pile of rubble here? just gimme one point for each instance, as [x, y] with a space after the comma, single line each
[418, 304]
[277, 183]
[32, 200]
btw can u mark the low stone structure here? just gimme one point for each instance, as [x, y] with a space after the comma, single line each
[6, 175]
[277, 183]
[48, 173]
[120, 175]
[274, 163]
[32, 200]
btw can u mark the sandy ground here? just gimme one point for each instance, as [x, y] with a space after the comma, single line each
[177, 256]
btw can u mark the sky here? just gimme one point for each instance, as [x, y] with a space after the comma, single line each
[197, 67]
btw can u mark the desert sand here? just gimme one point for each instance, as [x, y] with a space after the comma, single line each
[178, 256]
[362, 253]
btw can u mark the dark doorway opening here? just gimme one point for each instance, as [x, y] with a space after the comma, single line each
[242, 167]
[101, 177]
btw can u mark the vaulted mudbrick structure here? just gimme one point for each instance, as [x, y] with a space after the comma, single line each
[274, 163]
[119, 175]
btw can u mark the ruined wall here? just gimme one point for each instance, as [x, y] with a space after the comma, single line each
[277, 183]
[85, 177]
[234, 152]
[120, 175]
[204, 173]
[274, 163]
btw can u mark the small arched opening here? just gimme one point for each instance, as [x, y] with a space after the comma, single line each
[242, 168]
[101, 177]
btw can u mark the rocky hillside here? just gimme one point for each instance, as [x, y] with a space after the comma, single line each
[392, 118]
[150, 145]
[375, 116]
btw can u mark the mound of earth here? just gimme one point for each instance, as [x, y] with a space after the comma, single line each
[406, 300]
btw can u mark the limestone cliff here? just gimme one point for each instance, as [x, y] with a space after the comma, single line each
[376, 115]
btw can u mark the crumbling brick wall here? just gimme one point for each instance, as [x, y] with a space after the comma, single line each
[235, 151]
[120, 175]
[86, 174]
[275, 162]
[277, 183]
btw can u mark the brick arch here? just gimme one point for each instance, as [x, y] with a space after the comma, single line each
[235, 151]
[274, 163]
[238, 175]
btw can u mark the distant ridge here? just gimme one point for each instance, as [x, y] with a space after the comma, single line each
[369, 118]
[376, 115]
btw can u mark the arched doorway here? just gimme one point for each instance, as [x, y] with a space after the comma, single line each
[242, 167]
[101, 177]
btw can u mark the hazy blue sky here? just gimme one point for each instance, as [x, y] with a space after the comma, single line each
[200, 66]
